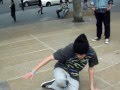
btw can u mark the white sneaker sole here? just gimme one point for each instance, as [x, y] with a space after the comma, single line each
[94, 40]
[47, 82]
[107, 42]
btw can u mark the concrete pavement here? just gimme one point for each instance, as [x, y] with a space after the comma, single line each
[23, 46]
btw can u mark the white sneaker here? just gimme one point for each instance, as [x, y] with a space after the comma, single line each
[47, 84]
[96, 39]
[107, 41]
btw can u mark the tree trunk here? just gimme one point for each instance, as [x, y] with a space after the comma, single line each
[77, 11]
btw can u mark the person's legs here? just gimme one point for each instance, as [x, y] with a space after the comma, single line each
[99, 24]
[1, 1]
[58, 11]
[14, 17]
[60, 79]
[63, 81]
[73, 84]
[106, 21]
[22, 6]
[41, 9]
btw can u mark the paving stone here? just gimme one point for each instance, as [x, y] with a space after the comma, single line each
[20, 48]
[21, 84]
[117, 87]
[111, 74]
[19, 59]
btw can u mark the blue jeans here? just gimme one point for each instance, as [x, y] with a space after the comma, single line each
[63, 81]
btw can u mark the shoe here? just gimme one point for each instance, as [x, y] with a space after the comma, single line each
[107, 41]
[96, 39]
[47, 85]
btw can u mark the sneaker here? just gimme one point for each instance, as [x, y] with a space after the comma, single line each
[47, 84]
[107, 41]
[96, 39]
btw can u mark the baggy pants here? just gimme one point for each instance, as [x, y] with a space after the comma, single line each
[63, 81]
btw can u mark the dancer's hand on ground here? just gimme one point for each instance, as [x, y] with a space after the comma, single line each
[29, 75]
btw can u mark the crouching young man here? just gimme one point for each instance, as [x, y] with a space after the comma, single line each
[70, 61]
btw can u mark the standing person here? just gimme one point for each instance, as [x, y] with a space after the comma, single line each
[1, 1]
[22, 5]
[40, 6]
[12, 7]
[102, 9]
[70, 61]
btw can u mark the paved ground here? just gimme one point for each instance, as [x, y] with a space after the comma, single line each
[23, 46]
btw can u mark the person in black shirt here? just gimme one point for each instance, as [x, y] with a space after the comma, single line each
[70, 61]
[40, 6]
[12, 7]
[22, 5]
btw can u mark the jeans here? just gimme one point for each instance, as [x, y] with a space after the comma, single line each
[58, 12]
[63, 81]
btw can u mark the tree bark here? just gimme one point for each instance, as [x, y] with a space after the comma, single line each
[77, 11]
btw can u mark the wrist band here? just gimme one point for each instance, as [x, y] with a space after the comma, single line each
[33, 71]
